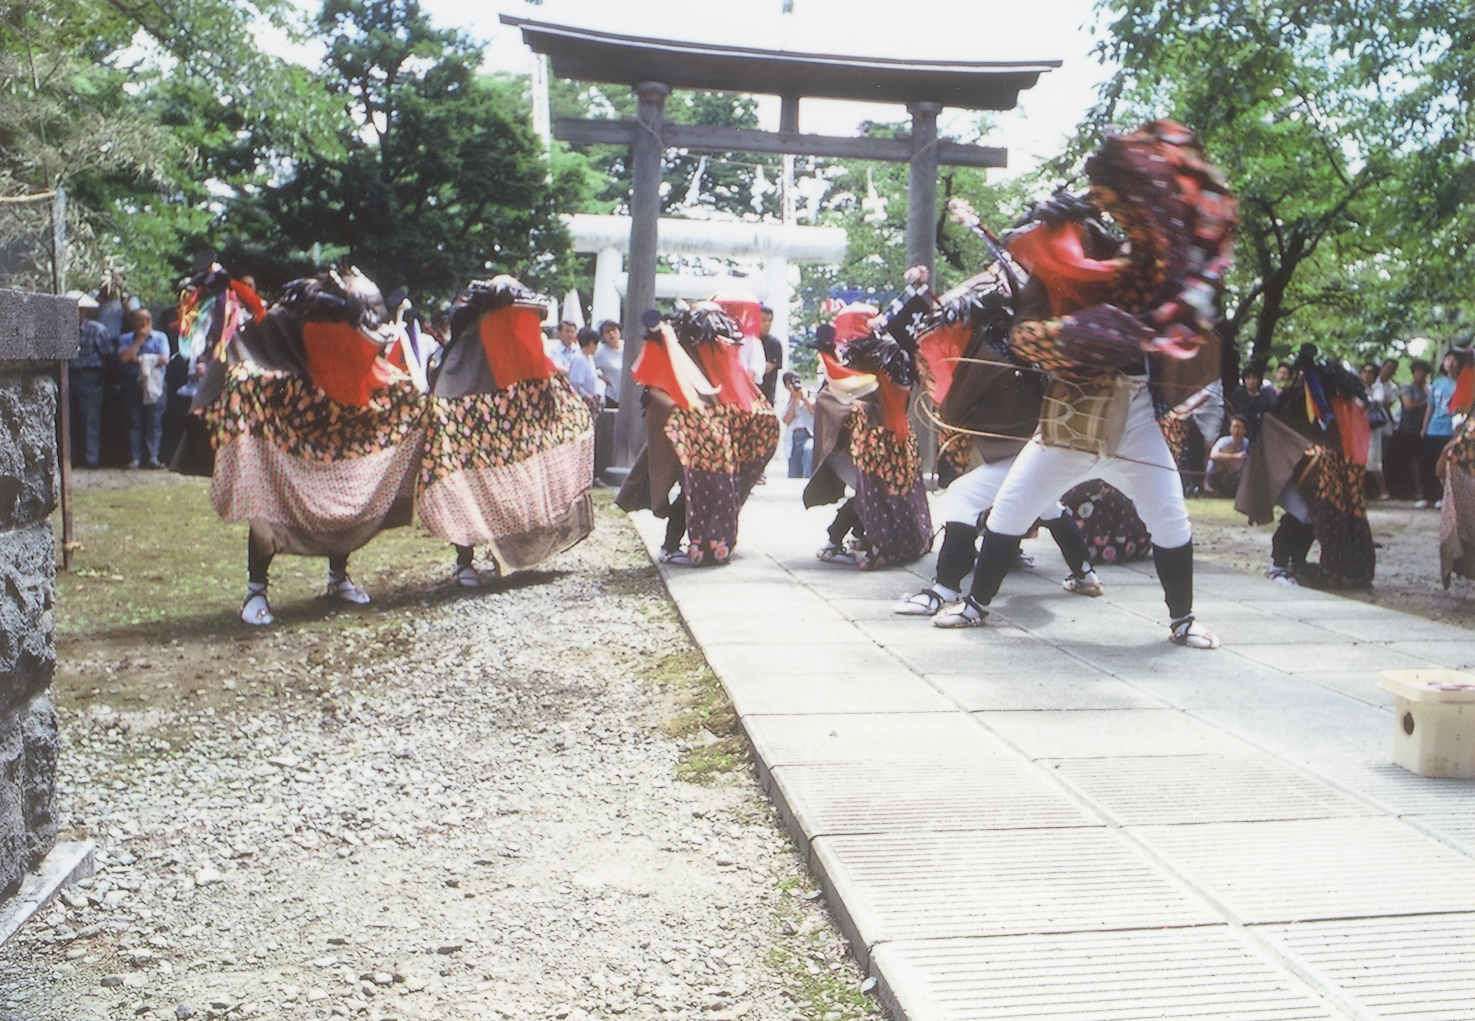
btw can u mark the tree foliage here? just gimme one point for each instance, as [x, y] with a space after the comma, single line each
[1345, 128]
[430, 179]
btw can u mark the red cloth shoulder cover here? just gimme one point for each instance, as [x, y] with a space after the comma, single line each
[344, 363]
[1352, 428]
[653, 368]
[722, 363]
[1055, 255]
[512, 338]
[893, 405]
[939, 351]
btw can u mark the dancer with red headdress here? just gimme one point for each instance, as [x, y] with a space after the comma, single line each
[709, 431]
[1310, 459]
[863, 439]
[509, 454]
[317, 435]
[1111, 332]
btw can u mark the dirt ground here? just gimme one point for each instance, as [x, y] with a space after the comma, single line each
[1407, 540]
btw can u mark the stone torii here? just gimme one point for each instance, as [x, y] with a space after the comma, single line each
[655, 66]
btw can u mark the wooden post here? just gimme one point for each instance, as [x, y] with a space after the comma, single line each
[922, 186]
[64, 383]
[640, 290]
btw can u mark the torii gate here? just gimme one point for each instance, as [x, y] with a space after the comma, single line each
[655, 66]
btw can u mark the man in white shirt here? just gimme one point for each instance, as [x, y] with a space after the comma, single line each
[563, 350]
[1227, 459]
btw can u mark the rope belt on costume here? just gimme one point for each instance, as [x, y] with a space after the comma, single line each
[925, 410]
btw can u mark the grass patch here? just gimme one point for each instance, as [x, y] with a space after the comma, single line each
[819, 975]
[701, 716]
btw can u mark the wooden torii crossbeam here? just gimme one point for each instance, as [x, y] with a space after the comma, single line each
[655, 66]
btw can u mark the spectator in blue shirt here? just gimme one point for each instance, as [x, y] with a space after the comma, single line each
[1439, 427]
[141, 358]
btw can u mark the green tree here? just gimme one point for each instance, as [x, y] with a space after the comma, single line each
[1344, 127]
[432, 180]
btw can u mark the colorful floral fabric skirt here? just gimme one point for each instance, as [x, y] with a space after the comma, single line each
[313, 476]
[889, 494]
[1339, 517]
[1108, 522]
[510, 470]
[723, 451]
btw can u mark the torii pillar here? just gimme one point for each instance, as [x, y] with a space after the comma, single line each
[640, 291]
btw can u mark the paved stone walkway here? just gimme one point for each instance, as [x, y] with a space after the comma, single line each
[1063, 816]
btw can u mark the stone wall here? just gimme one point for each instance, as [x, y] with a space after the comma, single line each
[35, 331]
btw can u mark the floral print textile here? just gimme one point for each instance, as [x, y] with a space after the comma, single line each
[505, 427]
[297, 418]
[723, 451]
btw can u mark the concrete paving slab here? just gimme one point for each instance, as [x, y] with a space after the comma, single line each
[1242, 632]
[1317, 869]
[1420, 967]
[1361, 685]
[955, 885]
[1307, 605]
[1081, 688]
[875, 737]
[753, 630]
[867, 609]
[1225, 680]
[921, 797]
[897, 630]
[995, 649]
[1211, 973]
[1311, 726]
[1456, 830]
[1393, 627]
[1093, 733]
[799, 657]
[1313, 655]
[781, 693]
[1394, 788]
[800, 607]
[1183, 789]
[1455, 655]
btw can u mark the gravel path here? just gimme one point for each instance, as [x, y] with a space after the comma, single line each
[471, 811]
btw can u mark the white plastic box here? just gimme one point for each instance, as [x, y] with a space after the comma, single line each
[1434, 722]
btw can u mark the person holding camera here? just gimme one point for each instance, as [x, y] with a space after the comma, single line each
[799, 420]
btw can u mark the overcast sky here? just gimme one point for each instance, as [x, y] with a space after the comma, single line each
[923, 29]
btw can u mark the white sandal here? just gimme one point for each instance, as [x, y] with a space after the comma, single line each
[925, 603]
[1193, 635]
[466, 576]
[345, 589]
[256, 611]
[966, 612]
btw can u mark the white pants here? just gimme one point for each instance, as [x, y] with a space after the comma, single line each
[1142, 468]
[974, 492]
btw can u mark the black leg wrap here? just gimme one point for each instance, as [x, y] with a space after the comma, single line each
[258, 560]
[465, 556]
[1067, 535]
[958, 554]
[675, 524]
[1175, 571]
[847, 519]
[994, 561]
[1291, 542]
